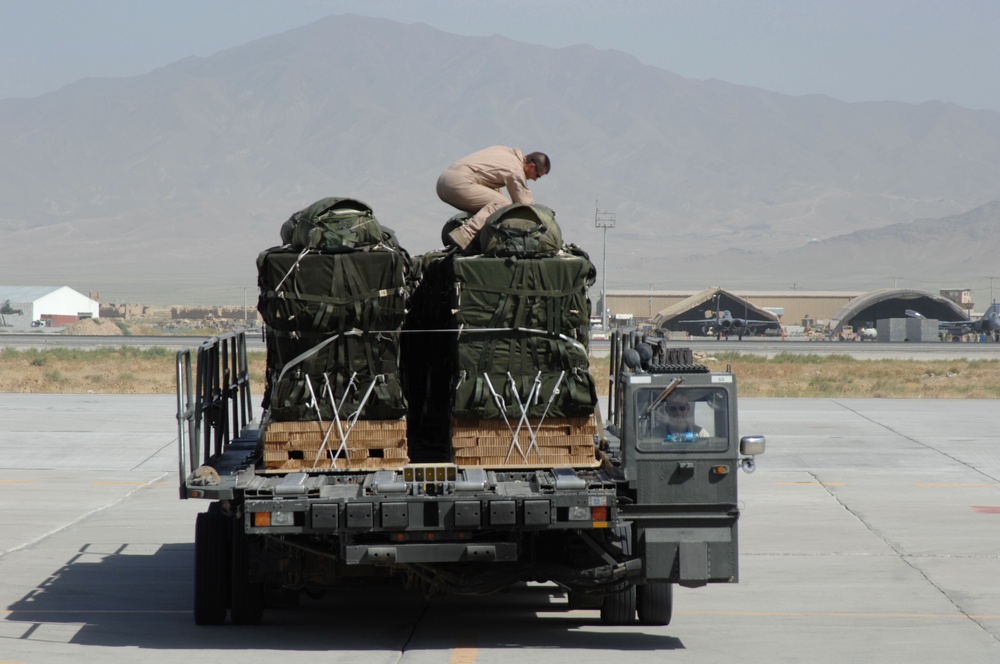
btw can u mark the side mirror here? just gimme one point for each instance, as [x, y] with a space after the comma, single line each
[752, 445]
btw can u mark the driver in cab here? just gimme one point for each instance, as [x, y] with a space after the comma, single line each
[680, 425]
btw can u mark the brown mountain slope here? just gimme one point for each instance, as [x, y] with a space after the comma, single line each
[164, 187]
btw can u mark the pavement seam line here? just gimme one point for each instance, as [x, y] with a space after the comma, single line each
[83, 517]
[416, 624]
[906, 560]
[152, 456]
[917, 442]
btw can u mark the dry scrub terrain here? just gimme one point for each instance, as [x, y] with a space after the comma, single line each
[133, 371]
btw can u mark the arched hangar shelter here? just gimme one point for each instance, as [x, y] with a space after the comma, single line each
[716, 310]
[865, 310]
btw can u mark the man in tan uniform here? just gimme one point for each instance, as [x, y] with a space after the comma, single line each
[472, 184]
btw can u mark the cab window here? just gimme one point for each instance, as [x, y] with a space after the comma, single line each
[685, 419]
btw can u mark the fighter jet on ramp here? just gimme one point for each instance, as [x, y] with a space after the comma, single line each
[725, 324]
[989, 323]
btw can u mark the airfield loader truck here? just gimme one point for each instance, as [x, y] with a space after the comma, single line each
[651, 509]
[433, 422]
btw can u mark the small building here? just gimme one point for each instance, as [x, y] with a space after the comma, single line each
[27, 306]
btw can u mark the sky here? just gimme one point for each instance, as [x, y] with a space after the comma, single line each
[852, 50]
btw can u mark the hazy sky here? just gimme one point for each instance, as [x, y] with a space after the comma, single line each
[853, 50]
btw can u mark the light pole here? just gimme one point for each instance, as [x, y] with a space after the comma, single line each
[604, 220]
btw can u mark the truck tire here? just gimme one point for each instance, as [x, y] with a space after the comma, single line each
[618, 608]
[211, 567]
[247, 606]
[655, 603]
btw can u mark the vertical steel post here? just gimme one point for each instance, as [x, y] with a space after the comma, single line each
[604, 220]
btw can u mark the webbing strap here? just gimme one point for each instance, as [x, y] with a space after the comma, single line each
[308, 297]
[315, 349]
[519, 291]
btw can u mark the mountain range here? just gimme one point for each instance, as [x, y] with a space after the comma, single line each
[163, 188]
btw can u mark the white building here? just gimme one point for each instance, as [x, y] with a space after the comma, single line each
[20, 306]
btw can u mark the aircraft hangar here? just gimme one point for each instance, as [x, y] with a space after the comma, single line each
[833, 308]
[865, 310]
[706, 306]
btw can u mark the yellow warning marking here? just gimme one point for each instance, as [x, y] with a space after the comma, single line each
[463, 656]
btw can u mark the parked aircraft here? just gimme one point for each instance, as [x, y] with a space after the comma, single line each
[725, 324]
[988, 323]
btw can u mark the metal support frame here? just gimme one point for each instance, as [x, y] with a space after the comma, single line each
[213, 401]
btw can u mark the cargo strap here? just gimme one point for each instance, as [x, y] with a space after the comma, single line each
[534, 394]
[315, 349]
[523, 421]
[347, 275]
[352, 419]
[502, 406]
[515, 313]
[486, 359]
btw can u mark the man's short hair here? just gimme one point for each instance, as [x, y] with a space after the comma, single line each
[541, 161]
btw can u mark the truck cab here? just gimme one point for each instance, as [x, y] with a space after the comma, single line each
[675, 433]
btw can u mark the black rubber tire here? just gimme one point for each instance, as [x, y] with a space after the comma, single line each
[655, 603]
[247, 605]
[211, 567]
[618, 608]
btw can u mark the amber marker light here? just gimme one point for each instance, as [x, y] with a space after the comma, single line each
[720, 470]
[262, 519]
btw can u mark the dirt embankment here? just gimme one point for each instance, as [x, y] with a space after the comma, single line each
[94, 327]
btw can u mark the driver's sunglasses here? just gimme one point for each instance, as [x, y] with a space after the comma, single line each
[678, 409]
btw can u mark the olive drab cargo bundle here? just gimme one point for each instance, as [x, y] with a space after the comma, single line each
[526, 231]
[544, 301]
[548, 295]
[508, 337]
[333, 376]
[308, 291]
[335, 224]
[333, 298]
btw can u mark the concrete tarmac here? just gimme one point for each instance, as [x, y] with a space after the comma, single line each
[870, 533]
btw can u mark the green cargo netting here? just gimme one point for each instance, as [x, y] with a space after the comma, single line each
[317, 292]
[359, 370]
[547, 294]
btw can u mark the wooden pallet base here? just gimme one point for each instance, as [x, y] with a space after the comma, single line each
[370, 445]
[559, 442]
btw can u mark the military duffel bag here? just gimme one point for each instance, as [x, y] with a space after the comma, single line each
[335, 224]
[522, 230]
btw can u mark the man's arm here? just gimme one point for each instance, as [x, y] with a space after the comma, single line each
[517, 187]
